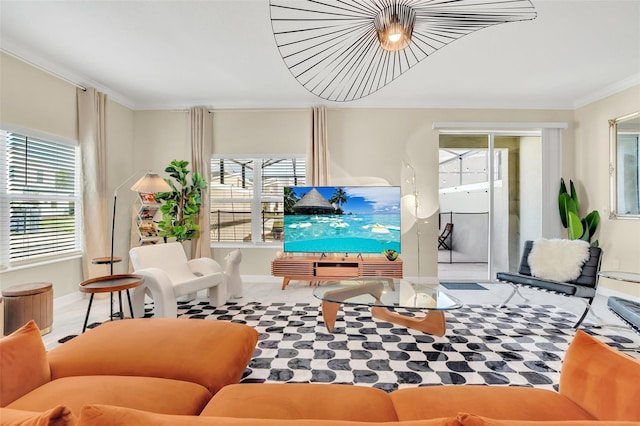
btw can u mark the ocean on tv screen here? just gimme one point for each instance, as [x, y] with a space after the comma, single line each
[342, 219]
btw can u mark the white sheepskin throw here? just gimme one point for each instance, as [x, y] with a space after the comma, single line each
[558, 259]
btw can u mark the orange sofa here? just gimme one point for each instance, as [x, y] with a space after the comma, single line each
[161, 365]
[598, 385]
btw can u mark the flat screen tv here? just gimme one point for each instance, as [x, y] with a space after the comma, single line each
[341, 219]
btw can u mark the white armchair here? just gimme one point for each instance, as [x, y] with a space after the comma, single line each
[168, 275]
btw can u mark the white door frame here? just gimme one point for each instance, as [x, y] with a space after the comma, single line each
[550, 134]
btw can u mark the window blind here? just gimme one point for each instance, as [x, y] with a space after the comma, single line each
[247, 195]
[40, 190]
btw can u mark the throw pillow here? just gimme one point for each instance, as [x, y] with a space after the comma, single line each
[57, 416]
[23, 362]
[558, 259]
[601, 379]
[474, 420]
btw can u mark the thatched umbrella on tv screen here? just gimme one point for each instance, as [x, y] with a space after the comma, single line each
[313, 203]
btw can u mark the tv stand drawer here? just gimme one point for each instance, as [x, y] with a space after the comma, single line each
[337, 270]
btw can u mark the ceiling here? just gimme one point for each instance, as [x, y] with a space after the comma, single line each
[222, 54]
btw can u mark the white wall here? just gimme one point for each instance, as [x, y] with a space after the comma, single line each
[158, 138]
[34, 100]
[619, 239]
[275, 131]
[375, 142]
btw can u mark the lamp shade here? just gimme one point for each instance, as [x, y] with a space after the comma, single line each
[394, 26]
[151, 183]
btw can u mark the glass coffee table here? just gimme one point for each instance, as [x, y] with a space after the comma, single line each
[383, 293]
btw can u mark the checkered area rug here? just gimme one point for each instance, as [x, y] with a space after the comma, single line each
[516, 346]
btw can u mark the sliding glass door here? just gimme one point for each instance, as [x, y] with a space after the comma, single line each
[480, 198]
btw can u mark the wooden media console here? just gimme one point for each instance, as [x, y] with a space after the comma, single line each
[317, 269]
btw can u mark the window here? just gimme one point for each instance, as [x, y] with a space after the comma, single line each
[247, 196]
[41, 204]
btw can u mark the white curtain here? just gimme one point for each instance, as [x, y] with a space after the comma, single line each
[201, 121]
[92, 134]
[318, 152]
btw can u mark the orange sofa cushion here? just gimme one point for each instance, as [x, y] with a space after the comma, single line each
[217, 351]
[23, 363]
[57, 416]
[145, 393]
[99, 415]
[604, 381]
[474, 420]
[500, 402]
[302, 401]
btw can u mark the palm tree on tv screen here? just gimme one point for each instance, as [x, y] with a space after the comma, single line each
[339, 198]
[289, 200]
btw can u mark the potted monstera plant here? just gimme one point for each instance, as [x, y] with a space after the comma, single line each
[181, 205]
[577, 228]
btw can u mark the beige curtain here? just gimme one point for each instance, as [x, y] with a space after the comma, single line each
[201, 147]
[318, 152]
[92, 134]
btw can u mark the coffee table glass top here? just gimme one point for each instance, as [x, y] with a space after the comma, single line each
[632, 277]
[386, 292]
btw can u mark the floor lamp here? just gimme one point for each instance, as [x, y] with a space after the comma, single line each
[150, 183]
[413, 200]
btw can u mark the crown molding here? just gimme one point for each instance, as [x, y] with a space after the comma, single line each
[10, 48]
[609, 90]
[74, 78]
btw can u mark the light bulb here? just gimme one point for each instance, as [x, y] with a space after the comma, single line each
[394, 37]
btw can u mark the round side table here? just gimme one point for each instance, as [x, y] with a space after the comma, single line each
[110, 284]
[106, 260]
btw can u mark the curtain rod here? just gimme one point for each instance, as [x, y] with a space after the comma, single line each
[210, 110]
[41, 68]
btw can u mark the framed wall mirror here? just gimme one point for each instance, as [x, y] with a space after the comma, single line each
[624, 169]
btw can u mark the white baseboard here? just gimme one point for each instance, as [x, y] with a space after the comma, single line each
[62, 301]
[261, 279]
[272, 279]
[608, 292]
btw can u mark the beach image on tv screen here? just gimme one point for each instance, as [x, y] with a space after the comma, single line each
[341, 219]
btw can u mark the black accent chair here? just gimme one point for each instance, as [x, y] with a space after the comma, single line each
[442, 238]
[583, 287]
